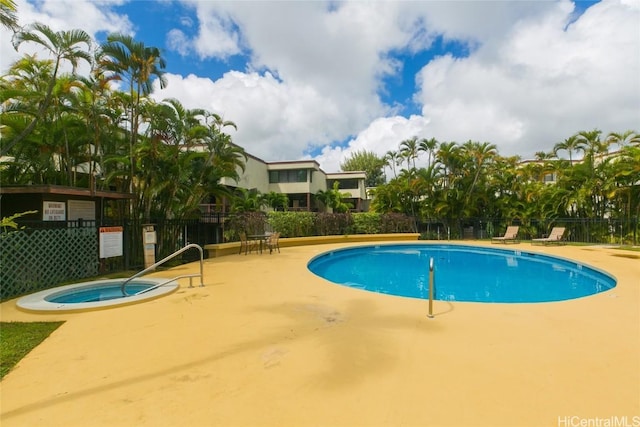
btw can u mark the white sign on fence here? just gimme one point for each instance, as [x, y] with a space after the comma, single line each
[110, 242]
[54, 211]
[85, 209]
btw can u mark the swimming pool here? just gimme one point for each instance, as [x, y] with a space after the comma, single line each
[461, 273]
[98, 294]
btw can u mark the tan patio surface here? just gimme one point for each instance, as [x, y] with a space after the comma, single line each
[267, 343]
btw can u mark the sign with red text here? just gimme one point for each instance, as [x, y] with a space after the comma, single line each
[110, 242]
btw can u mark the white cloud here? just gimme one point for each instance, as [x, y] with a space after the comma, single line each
[63, 15]
[217, 35]
[276, 121]
[382, 135]
[530, 83]
[544, 84]
[536, 72]
[178, 42]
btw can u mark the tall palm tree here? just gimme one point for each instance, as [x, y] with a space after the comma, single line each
[392, 158]
[136, 65]
[66, 120]
[478, 154]
[448, 155]
[186, 126]
[425, 186]
[570, 145]
[428, 146]
[93, 104]
[409, 150]
[63, 46]
[590, 143]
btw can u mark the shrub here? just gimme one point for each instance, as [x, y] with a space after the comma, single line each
[302, 224]
[396, 223]
[331, 224]
[292, 224]
[367, 223]
[249, 222]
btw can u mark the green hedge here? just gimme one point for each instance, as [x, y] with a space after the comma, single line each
[292, 224]
[305, 224]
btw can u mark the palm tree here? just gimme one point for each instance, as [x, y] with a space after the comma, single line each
[326, 197]
[276, 200]
[624, 139]
[570, 144]
[409, 150]
[627, 175]
[332, 198]
[386, 198]
[246, 201]
[392, 158]
[137, 65]
[94, 103]
[62, 45]
[448, 155]
[425, 185]
[26, 80]
[589, 142]
[8, 16]
[428, 146]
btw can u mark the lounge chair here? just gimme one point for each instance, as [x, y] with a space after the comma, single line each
[511, 235]
[556, 236]
[273, 242]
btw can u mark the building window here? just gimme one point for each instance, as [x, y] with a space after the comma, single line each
[549, 177]
[293, 175]
[344, 184]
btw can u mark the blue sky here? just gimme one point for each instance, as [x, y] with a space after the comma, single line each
[312, 79]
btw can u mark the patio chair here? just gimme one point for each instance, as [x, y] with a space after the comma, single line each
[247, 244]
[556, 236]
[511, 235]
[273, 242]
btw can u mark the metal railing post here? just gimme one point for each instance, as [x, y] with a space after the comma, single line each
[430, 315]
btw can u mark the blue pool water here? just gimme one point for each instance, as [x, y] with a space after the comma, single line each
[101, 293]
[461, 273]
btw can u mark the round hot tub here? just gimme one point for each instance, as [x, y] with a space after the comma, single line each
[96, 295]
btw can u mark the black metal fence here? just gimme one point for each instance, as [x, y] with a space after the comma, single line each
[47, 254]
[578, 230]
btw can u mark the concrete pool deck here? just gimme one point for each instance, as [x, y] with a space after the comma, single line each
[267, 343]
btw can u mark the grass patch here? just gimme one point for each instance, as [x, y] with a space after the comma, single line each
[630, 248]
[17, 339]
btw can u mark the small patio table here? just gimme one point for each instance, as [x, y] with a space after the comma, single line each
[262, 238]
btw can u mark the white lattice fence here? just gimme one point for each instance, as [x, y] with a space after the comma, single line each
[32, 260]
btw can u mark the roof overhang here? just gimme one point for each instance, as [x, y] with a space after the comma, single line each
[63, 190]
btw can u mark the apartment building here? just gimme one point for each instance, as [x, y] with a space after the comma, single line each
[300, 180]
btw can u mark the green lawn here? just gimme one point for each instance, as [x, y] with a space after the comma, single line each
[17, 339]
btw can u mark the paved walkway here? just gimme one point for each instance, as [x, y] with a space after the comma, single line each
[266, 343]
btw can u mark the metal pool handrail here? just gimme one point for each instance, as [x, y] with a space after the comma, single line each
[430, 315]
[162, 261]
